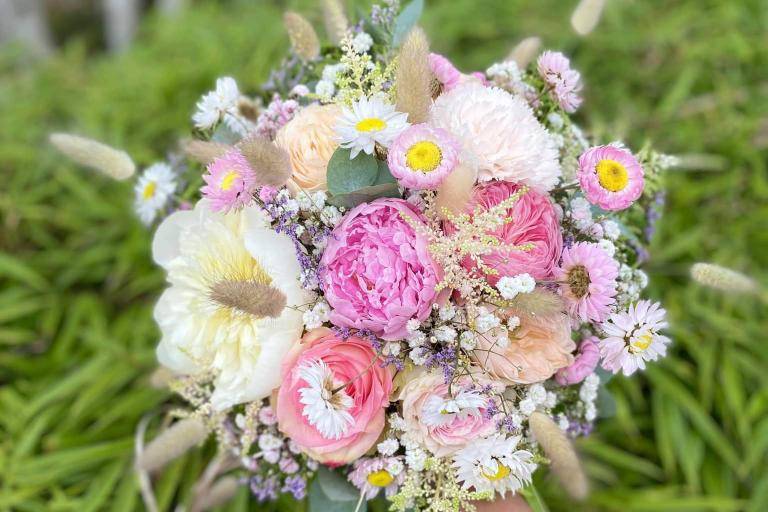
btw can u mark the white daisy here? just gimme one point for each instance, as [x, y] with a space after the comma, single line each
[153, 189]
[439, 410]
[633, 337]
[219, 266]
[494, 464]
[217, 104]
[368, 122]
[325, 406]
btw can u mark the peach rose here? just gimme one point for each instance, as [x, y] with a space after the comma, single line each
[532, 353]
[309, 139]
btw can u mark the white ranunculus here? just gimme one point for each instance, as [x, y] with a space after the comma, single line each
[200, 248]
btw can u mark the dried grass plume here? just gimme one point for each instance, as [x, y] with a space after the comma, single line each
[558, 448]
[90, 153]
[271, 163]
[257, 299]
[540, 305]
[722, 278]
[203, 151]
[524, 52]
[303, 37]
[171, 444]
[413, 80]
[586, 16]
[221, 492]
[456, 190]
[336, 24]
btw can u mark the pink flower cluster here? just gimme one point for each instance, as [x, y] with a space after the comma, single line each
[564, 83]
[275, 116]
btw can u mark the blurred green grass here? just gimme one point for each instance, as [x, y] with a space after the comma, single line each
[77, 285]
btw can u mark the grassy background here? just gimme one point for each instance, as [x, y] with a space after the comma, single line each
[77, 286]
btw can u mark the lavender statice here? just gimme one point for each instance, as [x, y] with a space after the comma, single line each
[445, 359]
[296, 485]
[264, 488]
[653, 214]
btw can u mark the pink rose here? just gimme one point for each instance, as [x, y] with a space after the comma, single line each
[534, 221]
[443, 421]
[585, 363]
[377, 272]
[357, 387]
[530, 354]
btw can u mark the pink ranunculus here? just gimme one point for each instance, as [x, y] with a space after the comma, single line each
[534, 221]
[366, 384]
[583, 364]
[377, 272]
[455, 422]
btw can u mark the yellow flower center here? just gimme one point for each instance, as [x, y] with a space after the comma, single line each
[380, 478]
[502, 472]
[149, 190]
[371, 124]
[228, 180]
[612, 175]
[424, 156]
[641, 343]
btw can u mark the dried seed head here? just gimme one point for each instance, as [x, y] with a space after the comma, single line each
[586, 16]
[559, 450]
[540, 305]
[112, 162]
[336, 24]
[271, 163]
[303, 37]
[413, 79]
[252, 297]
[203, 151]
[722, 278]
[171, 444]
[525, 51]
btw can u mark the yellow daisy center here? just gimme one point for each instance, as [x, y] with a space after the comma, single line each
[371, 124]
[641, 343]
[424, 156]
[380, 478]
[149, 190]
[228, 180]
[502, 472]
[612, 175]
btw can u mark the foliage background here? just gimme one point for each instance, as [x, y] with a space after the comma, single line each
[77, 285]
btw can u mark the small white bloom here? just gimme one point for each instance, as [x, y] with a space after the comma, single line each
[299, 91]
[412, 325]
[611, 229]
[325, 89]
[590, 412]
[494, 464]
[550, 401]
[395, 466]
[445, 333]
[507, 71]
[439, 410]
[419, 356]
[317, 316]
[271, 456]
[268, 442]
[486, 321]
[447, 312]
[388, 447]
[392, 348]
[607, 246]
[415, 458]
[513, 323]
[331, 72]
[417, 339]
[218, 103]
[537, 393]
[527, 406]
[362, 42]
[592, 381]
[555, 120]
[467, 340]
[153, 190]
[396, 422]
[642, 278]
[326, 410]
[331, 216]
[563, 422]
[510, 286]
[369, 121]
[319, 198]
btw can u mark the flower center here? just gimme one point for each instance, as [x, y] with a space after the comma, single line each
[380, 478]
[149, 190]
[578, 281]
[612, 175]
[371, 124]
[424, 156]
[641, 343]
[228, 180]
[502, 472]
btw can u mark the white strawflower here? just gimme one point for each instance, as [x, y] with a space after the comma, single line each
[362, 42]
[219, 314]
[369, 121]
[501, 132]
[217, 104]
[412, 325]
[494, 464]
[153, 190]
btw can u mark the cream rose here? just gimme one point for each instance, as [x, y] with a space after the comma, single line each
[309, 139]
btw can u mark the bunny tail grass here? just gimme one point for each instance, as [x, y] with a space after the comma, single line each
[271, 164]
[524, 52]
[722, 278]
[221, 492]
[203, 151]
[540, 304]
[413, 80]
[90, 153]
[171, 444]
[303, 37]
[586, 16]
[559, 450]
[336, 24]
[257, 299]
[456, 190]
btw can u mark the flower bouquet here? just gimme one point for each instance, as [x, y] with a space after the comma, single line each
[388, 278]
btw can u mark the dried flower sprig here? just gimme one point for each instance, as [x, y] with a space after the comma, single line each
[362, 77]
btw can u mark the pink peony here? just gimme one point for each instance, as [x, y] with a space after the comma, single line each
[532, 353]
[230, 182]
[584, 363]
[534, 221]
[377, 272]
[564, 83]
[422, 157]
[366, 388]
[610, 177]
[588, 281]
[442, 419]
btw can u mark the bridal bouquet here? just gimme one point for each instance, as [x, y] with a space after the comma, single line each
[390, 278]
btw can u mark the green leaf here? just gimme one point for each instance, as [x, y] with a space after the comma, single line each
[347, 175]
[405, 21]
[365, 195]
[384, 176]
[534, 499]
[336, 487]
[329, 492]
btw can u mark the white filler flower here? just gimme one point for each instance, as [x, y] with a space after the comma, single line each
[152, 191]
[230, 309]
[369, 121]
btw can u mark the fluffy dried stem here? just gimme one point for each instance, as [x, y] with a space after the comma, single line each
[271, 164]
[90, 153]
[586, 16]
[525, 51]
[203, 151]
[558, 448]
[171, 444]
[257, 299]
[456, 190]
[221, 492]
[336, 24]
[722, 278]
[161, 378]
[413, 79]
[303, 37]
[539, 305]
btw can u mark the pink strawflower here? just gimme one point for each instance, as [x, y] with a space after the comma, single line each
[588, 281]
[421, 157]
[583, 364]
[633, 338]
[377, 272]
[371, 475]
[230, 182]
[445, 71]
[563, 82]
[610, 177]
[533, 221]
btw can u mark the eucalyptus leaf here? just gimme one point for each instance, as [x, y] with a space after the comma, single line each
[329, 492]
[347, 175]
[384, 176]
[405, 21]
[606, 404]
[225, 135]
[365, 195]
